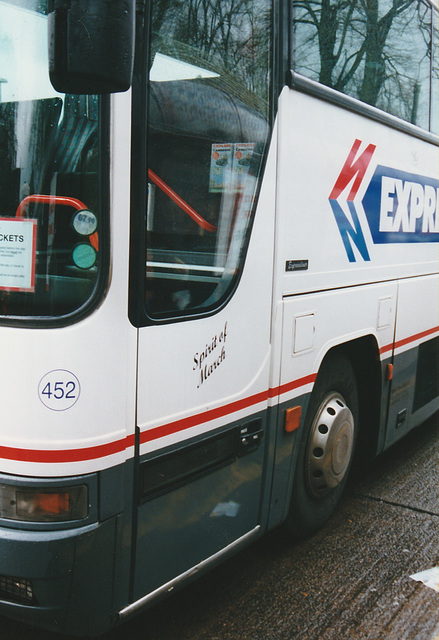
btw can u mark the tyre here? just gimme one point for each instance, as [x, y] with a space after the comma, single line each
[326, 447]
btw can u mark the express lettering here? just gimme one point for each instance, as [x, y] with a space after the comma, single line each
[404, 203]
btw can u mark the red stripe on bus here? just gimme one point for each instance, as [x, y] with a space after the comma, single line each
[66, 455]
[200, 418]
[405, 341]
[101, 451]
[417, 336]
[388, 347]
[220, 412]
[295, 384]
[111, 448]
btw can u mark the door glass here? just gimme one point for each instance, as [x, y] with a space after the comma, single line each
[50, 219]
[207, 137]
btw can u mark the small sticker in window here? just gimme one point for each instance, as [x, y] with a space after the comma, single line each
[220, 167]
[84, 256]
[85, 222]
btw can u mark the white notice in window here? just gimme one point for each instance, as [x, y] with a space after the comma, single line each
[18, 238]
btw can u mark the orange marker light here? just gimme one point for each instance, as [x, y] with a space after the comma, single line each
[292, 419]
[48, 505]
[389, 372]
[52, 503]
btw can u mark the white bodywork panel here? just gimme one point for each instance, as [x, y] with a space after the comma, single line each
[271, 337]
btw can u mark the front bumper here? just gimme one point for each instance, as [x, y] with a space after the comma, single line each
[67, 574]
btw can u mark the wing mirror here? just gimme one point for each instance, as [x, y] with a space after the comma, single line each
[91, 45]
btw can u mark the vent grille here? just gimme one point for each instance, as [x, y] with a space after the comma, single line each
[18, 590]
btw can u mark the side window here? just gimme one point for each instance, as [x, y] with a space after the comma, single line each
[379, 51]
[53, 220]
[207, 136]
[435, 77]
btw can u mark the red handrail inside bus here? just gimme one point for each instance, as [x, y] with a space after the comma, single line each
[201, 222]
[57, 200]
[65, 200]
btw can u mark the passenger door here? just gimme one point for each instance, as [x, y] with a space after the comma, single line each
[204, 349]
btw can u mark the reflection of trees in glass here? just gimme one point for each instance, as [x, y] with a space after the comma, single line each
[207, 128]
[8, 201]
[230, 37]
[435, 80]
[376, 50]
[39, 6]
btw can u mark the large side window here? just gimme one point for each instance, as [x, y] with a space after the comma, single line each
[379, 51]
[207, 136]
[435, 78]
[51, 211]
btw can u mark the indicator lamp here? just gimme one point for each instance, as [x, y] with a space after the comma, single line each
[34, 504]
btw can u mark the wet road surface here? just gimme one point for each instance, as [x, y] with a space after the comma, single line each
[349, 581]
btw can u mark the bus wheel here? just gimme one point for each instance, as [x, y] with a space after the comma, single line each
[326, 447]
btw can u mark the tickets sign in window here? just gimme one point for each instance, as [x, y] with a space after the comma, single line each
[17, 254]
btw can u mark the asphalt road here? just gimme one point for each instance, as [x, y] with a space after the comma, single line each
[349, 581]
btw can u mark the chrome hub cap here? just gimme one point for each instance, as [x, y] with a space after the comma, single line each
[330, 445]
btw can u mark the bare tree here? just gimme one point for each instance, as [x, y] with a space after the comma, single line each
[367, 48]
[227, 36]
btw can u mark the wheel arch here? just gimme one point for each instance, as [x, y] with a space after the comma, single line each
[352, 370]
[363, 354]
